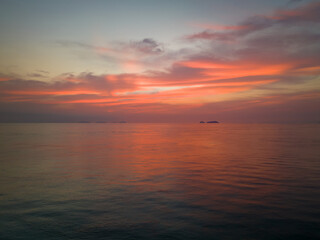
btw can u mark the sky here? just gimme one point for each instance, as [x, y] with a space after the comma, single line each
[160, 61]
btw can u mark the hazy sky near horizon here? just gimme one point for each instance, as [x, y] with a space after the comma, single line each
[159, 61]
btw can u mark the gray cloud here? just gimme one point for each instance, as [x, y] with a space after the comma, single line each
[147, 46]
[283, 18]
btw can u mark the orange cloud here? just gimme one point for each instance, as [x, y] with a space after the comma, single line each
[237, 68]
[62, 92]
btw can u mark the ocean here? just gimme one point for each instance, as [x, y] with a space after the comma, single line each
[159, 181]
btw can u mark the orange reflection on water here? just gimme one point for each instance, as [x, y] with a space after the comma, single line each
[200, 162]
[221, 166]
[176, 174]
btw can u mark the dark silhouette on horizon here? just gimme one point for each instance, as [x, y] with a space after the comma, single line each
[212, 122]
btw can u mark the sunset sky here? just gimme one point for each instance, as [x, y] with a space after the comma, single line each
[160, 61]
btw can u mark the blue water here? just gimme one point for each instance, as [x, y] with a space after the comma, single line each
[159, 181]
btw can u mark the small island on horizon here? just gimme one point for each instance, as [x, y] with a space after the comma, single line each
[209, 122]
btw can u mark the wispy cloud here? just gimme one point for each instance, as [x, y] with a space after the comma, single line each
[280, 19]
[132, 56]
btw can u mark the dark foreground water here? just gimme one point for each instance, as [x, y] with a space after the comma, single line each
[159, 181]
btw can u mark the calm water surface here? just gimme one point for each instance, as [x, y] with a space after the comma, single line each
[159, 181]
